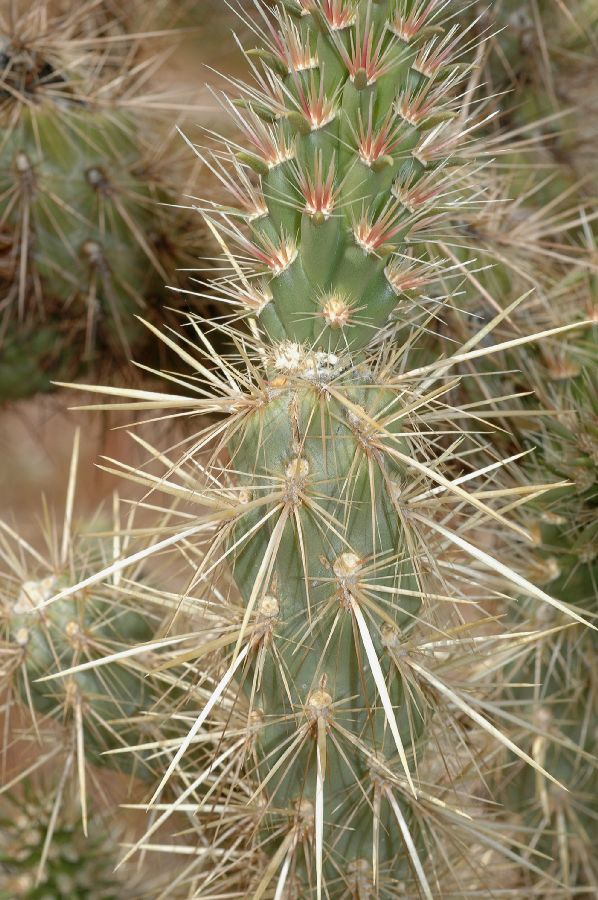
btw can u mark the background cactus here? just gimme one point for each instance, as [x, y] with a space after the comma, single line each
[80, 738]
[70, 866]
[545, 58]
[561, 673]
[345, 500]
[87, 240]
[538, 62]
[44, 854]
[79, 717]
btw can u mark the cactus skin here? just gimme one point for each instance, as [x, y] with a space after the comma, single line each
[30, 357]
[338, 511]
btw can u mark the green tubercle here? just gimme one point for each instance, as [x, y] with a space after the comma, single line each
[76, 867]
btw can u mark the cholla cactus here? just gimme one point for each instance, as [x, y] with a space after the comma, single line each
[45, 856]
[544, 55]
[84, 239]
[349, 513]
[71, 866]
[563, 693]
[76, 719]
[561, 696]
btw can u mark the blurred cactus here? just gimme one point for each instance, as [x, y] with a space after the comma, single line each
[563, 692]
[30, 357]
[76, 718]
[84, 169]
[44, 856]
[543, 55]
[550, 243]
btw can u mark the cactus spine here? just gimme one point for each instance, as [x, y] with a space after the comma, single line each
[347, 512]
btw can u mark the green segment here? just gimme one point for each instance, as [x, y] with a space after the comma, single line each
[77, 868]
[77, 199]
[301, 423]
[67, 633]
[342, 119]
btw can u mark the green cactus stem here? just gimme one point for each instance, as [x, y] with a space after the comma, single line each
[85, 230]
[80, 717]
[70, 865]
[344, 499]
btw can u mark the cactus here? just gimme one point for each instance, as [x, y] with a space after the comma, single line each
[82, 176]
[543, 54]
[80, 717]
[562, 670]
[349, 513]
[560, 696]
[70, 865]
[45, 856]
